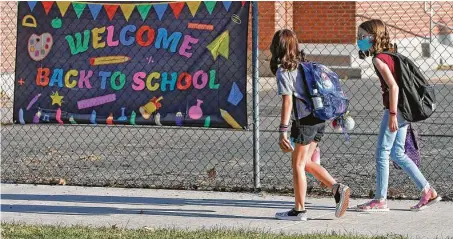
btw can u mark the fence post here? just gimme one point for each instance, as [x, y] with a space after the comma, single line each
[256, 97]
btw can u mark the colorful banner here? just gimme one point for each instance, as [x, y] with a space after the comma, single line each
[175, 64]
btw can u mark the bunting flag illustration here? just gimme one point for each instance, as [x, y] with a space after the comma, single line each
[210, 5]
[111, 10]
[78, 8]
[177, 8]
[227, 5]
[143, 10]
[127, 10]
[63, 6]
[160, 9]
[94, 9]
[193, 7]
[32, 5]
[47, 6]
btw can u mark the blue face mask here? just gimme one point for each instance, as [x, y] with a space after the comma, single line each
[364, 44]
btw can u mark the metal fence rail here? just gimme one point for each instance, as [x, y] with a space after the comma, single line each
[219, 159]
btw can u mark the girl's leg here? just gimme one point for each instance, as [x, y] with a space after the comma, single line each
[299, 158]
[397, 154]
[384, 145]
[340, 192]
[317, 170]
[429, 195]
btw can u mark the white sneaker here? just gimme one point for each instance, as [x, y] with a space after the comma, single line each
[292, 215]
[341, 194]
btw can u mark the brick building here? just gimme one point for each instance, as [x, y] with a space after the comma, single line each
[336, 22]
[327, 30]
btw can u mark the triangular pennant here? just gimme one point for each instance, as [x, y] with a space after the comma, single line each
[143, 10]
[210, 5]
[220, 46]
[193, 7]
[227, 5]
[243, 3]
[78, 8]
[160, 9]
[63, 6]
[95, 9]
[32, 5]
[47, 6]
[111, 10]
[127, 10]
[177, 8]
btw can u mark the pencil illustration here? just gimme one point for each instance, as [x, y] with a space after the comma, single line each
[229, 119]
[105, 60]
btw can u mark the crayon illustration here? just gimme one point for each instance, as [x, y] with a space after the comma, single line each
[109, 120]
[93, 118]
[133, 115]
[33, 101]
[157, 119]
[207, 122]
[21, 116]
[71, 120]
[37, 117]
[58, 116]
[179, 118]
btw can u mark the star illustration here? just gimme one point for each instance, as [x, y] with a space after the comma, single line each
[56, 98]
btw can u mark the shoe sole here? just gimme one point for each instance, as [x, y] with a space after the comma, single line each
[373, 210]
[344, 202]
[291, 218]
[434, 201]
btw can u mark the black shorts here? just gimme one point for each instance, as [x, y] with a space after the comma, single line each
[310, 129]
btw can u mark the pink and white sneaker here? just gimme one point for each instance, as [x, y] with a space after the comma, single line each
[374, 206]
[426, 200]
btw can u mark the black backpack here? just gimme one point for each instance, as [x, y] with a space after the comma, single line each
[416, 99]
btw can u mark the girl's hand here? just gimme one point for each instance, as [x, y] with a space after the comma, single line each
[393, 123]
[284, 143]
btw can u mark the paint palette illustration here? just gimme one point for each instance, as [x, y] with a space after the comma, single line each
[39, 46]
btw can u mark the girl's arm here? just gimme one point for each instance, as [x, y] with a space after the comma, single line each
[287, 103]
[393, 91]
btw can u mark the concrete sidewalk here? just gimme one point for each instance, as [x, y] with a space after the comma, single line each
[136, 208]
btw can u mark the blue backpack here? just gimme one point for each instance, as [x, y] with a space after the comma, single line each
[323, 94]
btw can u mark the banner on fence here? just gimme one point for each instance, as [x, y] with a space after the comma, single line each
[176, 64]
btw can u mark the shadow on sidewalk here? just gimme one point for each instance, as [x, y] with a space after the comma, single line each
[150, 201]
[80, 210]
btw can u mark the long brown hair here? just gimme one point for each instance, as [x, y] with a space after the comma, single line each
[285, 51]
[380, 34]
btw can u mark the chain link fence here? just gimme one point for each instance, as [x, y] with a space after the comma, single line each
[219, 159]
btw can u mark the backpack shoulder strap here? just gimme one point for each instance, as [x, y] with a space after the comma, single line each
[301, 69]
[395, 56]
[296, 115]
